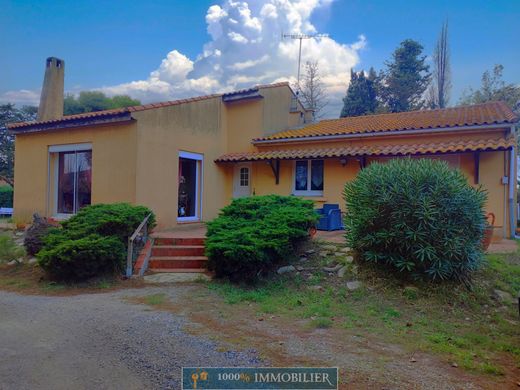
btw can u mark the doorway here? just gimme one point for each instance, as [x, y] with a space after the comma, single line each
[189, 204]
[242, 180]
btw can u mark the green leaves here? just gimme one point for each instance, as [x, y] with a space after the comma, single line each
[252, 235]
[418, 216]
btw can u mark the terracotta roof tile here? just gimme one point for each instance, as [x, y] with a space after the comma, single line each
[373, 150]
[480, 114]
[142, 107]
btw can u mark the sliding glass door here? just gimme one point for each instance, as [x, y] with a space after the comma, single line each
[74, 181]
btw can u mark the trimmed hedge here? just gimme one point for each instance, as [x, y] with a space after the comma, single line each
[253, 235]
[6, 196]
[417, 217]
[92, 242]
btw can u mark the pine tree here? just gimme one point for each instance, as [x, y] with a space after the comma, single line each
[361, 98]
[406, 78]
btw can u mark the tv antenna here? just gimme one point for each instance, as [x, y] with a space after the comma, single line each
[301, 37]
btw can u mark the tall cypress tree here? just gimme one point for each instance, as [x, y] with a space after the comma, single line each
[361, 98]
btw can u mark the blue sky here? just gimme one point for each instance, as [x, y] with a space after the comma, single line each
[110, 44]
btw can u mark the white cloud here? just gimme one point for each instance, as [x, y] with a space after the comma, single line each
[246, 49]
[21, 97]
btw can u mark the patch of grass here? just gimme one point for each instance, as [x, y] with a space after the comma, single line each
[321, 322]
[465, 326]
[154, 299]
[104, 284]
[9, 250]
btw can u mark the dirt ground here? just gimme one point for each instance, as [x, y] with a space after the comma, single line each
[126, 339]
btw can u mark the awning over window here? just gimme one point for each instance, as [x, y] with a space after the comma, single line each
[457, 146]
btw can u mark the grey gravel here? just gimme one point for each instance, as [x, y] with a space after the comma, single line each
[101, 341]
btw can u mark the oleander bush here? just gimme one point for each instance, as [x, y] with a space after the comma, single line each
[92, 242]
[252, 235]
[417, 217]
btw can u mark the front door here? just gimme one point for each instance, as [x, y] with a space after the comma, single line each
[189, 203]
[242, 180]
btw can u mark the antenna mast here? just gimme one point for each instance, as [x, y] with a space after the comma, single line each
[301, 37]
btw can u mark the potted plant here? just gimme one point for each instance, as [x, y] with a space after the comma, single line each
[488, 231]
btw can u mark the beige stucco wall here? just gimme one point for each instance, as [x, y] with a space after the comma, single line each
[195, 127]
[113, 166]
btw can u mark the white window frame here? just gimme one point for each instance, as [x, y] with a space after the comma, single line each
[307, 192]
[57, 149]
[200, 183]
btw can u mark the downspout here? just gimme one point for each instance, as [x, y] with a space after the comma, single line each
[512, 182]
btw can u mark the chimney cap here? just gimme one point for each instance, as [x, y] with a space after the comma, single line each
[58, 62]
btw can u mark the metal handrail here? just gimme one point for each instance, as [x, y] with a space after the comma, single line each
[131, 239]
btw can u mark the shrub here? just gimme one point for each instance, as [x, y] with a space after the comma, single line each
[118, 219]
[252, 235]
[92, 242]
[416, 216]
[83, 258]
[9, 250]
[6, 196]
[35, 235]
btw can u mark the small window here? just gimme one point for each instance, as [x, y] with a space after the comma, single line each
[308, 177]
[244, 177]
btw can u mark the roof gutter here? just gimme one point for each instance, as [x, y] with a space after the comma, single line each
[379, 134]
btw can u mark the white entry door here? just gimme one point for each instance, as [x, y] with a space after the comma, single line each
[242, 180]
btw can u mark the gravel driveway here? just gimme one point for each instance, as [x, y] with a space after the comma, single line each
[98, 341]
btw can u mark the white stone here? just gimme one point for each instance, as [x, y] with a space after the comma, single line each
[283, 270]
[342, 271]
[32, 260]
[503, 296]
[332, 269]
[353, 285]
[310, 251]
[329, 247]
[349, 259]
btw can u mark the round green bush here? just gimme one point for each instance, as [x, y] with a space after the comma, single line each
[253, 235]
[87, 257]
[416, 216]
[91, 243]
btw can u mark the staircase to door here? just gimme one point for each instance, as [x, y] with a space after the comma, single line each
[178, 254]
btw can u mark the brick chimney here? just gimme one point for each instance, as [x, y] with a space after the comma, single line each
[51, 99]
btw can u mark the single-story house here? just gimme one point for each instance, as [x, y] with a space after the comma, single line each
[186, 159]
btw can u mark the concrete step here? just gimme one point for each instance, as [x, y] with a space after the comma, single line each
[180, 270]
[159, 241]
[177, 250]
[174, 262]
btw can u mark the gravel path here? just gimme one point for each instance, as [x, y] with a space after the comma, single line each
[100, 341]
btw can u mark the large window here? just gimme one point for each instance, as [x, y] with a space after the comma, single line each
[308, 177]
[73, 179]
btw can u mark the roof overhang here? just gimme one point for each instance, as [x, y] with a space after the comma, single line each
[72, 122]
[448, 147]
[334, 137]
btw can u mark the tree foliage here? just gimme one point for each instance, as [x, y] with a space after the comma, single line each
[89, 101]
[312, 89]
[361, 98]
[10, 114]
[406, 78]
[493, 88]
[439, 90]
